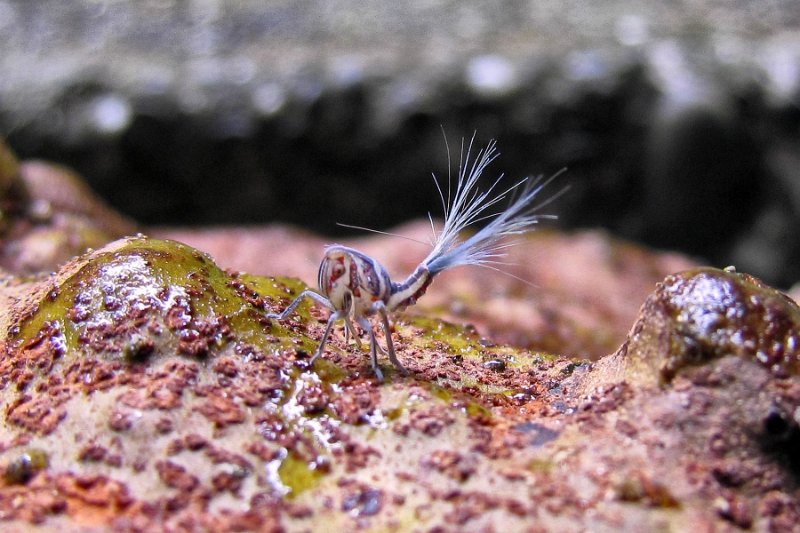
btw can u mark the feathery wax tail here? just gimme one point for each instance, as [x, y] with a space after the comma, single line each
[468, 205]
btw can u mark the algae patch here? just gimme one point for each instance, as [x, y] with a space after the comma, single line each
[457, 340]
[150, 292]
[297, 475]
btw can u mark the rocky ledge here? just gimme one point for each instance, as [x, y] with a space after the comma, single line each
[144, 389]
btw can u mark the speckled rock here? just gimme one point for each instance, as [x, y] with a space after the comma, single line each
[573, 294]
[710, 388]
[143, 389]
[159, 395]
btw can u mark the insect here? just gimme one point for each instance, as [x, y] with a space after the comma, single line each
[355, 287]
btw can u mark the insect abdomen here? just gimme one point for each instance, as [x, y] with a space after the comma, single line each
[409, 291]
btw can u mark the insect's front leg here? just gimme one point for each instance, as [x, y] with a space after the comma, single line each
[349, 329]
[335, 315]
[331, 321]
[308, 293]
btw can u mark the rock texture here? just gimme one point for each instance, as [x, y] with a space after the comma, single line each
[142, 388]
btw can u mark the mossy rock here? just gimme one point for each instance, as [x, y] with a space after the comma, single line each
[149, 377]
[144, 388]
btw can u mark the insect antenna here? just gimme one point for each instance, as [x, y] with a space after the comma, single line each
[389, 233]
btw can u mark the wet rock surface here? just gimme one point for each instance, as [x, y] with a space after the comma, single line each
[704, 314]
[143, 389]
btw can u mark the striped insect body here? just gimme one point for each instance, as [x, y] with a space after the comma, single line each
[349, 278]
[356, 287]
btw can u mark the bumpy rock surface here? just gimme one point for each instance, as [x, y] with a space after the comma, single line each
[575, 294]
[703, 314]
[142, 388]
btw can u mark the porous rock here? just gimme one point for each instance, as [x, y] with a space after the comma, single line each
[154, 394]
[574, 294]
[698, 316]
[142, 388]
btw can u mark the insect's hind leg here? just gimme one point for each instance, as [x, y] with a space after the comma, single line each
[381, 309]
[373, 347]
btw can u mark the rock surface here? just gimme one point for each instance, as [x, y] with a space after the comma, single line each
[142, 388]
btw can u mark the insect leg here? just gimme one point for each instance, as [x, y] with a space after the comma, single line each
[292, 306]
[331, 321]
[335, 315]
[349, 329]
[373, 347]
[380, 307]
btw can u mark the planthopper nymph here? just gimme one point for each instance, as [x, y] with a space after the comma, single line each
[356, 287]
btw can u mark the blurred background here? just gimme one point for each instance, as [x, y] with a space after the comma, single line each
[678, 121]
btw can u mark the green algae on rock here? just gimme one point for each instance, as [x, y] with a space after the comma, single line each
[119, 301]
[25, 466]
[163, 399]
[151, 378]
[81, 329]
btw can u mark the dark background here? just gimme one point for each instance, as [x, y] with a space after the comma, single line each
[678, 122]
